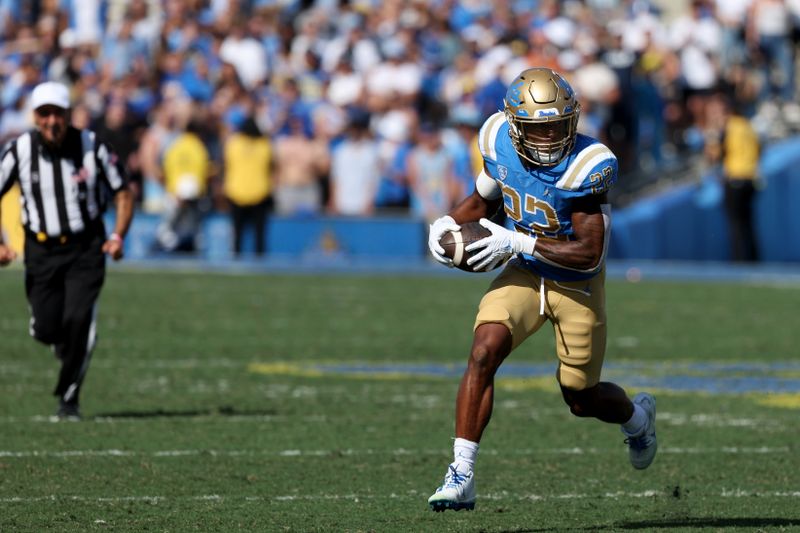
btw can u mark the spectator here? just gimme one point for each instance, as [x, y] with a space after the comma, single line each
[346, 86]
[355, 169]
[597, 86]
[462, 143]
[186, 173]
[86, 18]
[120, 51]
[622, 134]
[736, 146]
[116, 130]
[696, 38]
[397, 78]
[650, 116]
[434, 188]
[248, 183]
[768, 34]
[246, 54]
[14, 120]
[25, 76]
[156, 137]
[732, 15]
[300, 161]
[393, 190]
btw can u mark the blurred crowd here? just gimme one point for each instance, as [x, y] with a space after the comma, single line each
[362, 106]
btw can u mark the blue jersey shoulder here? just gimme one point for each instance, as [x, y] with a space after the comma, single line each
[590, 168]
[495, 146]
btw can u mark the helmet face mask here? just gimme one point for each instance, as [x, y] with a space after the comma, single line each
[542, 114]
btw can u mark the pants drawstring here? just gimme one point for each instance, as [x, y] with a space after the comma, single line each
[541, 295]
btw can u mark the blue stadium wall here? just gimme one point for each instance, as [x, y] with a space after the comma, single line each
[306, 238]
[688, 222]
[683, 223]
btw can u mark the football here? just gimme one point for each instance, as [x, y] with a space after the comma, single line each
[454, 243]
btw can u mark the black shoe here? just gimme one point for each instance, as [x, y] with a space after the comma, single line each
[68, 411]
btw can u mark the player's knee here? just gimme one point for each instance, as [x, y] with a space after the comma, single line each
[581, 402]
[572, 378]
[491, 345]
[485, 356]
[482, 357]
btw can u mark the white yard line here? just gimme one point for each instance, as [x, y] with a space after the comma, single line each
[727, 450]
[668, 418]
[709, 420]
[411, 495]
[180, 363]
[41, 419]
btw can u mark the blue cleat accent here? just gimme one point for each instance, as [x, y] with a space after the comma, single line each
[456, 493]
[642, 448]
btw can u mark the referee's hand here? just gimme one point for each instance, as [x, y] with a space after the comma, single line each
[6, 255]
[113, 247]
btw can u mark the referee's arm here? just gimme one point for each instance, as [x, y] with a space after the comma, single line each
[123, 204]
[114, 176]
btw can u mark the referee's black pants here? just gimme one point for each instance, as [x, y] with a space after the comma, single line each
[62, 282]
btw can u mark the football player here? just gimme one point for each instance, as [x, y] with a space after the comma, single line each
[552, 184]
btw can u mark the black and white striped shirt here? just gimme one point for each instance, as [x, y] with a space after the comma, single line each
[64, 190]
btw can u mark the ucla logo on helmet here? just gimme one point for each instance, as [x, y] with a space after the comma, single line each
[566, 86]
[503, 171]
[549, 112]
[513, 95]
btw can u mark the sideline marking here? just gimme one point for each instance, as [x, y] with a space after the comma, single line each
[779, 381]
[774, 384]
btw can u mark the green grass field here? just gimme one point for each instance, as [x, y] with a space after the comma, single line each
[221, 403]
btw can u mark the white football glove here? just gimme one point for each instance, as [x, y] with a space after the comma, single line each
[498, 247]
[439, 227]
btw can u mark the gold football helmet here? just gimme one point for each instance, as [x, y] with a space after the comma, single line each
[542, 113]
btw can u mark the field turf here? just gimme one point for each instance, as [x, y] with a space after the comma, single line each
[325, 403]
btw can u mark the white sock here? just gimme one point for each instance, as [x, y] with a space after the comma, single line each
[638, 422]
[464, 452]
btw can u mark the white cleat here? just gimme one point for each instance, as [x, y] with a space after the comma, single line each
[456, 493]
[642, 448]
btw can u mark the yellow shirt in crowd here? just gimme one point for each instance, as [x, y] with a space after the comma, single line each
[247, 169]
[741, 149]
[186, 165]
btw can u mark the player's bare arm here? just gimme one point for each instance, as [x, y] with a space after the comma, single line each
[474, 207]
[586, 251]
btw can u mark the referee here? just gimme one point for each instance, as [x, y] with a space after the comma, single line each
[66, 176]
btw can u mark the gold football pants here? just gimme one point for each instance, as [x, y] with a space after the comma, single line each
[576, 310]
